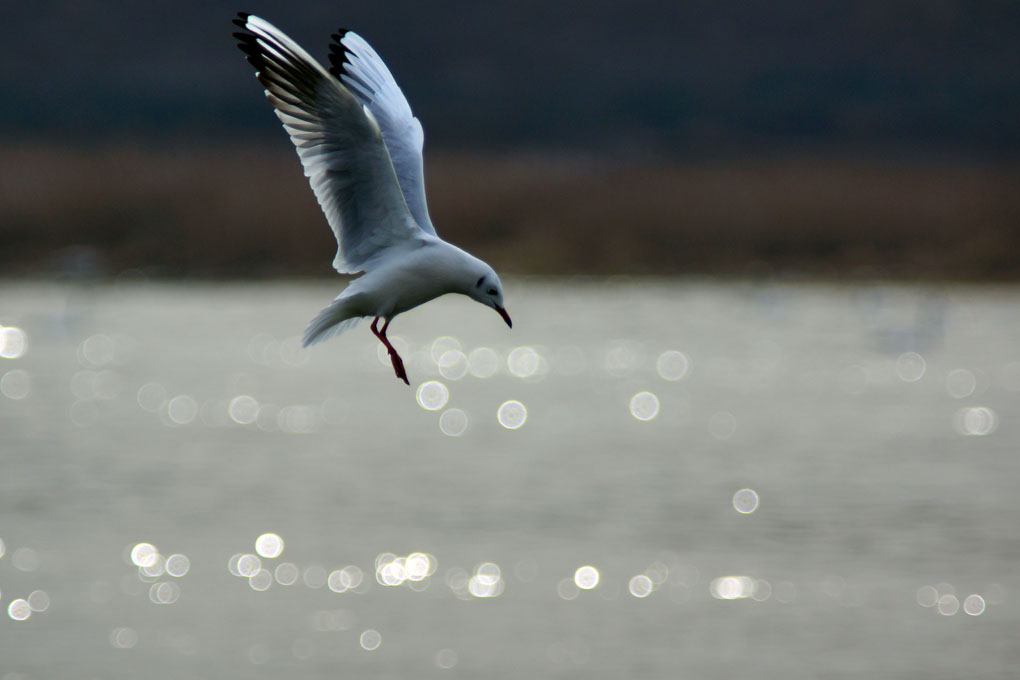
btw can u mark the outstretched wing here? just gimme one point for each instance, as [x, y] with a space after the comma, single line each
[339, 142]
[357, 65]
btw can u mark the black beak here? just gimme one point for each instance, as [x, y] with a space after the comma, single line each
[502, 313]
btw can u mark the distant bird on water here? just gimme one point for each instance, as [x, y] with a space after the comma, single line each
[361, 148]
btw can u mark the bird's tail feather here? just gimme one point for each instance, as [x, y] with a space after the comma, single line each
[329, 323]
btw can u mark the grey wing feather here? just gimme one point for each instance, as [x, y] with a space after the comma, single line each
[339, 142]
[361, 69]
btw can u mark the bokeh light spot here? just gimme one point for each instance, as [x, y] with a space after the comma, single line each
[745, 501]
[151, 396]
[418, 566]
[243, 409]
[961, 383]
[640, 586]
[260, 580]
[948, 605]
[83, 385]
[433, 395]
[155, 569]
[15, 384]
[292, 352]
[25, 559]
[314, 576]
[453, 364]
[178, 565]
[164, 592]
[731, 587]
[483, 362]
[247, 565]
[182, 409]
[269, 545]
[927, 596]
[370, 640]
[487, 581]
[123, 638]
[286, 573]
[335, 581]
[586, 577]
[761, 590]
[38, 600]
[621, 357]
[512, 414]
[453, 422]
[644, 406]
[522, 362]
[13, 342]
[98, 350]
[974, 605]
[488, 572]
[446, 659]
[910, 366]
[19, 609]
[976, 421]
[442, 345]
[672, 365]
[351, 576]
[566, 589]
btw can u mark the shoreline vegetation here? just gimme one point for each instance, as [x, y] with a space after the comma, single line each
[248, 212]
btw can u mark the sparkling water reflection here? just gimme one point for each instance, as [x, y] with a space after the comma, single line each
[746, 464]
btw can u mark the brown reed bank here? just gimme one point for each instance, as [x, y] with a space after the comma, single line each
[248, 212]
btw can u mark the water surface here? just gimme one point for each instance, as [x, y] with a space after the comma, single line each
[657, 479]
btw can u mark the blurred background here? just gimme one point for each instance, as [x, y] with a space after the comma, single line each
[857, 139]
[757, 415]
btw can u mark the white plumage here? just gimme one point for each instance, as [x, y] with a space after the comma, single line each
[361, 149]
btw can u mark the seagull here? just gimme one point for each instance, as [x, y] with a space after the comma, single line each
[361, 149]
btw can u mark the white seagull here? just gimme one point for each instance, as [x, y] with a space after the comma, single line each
[361, 149]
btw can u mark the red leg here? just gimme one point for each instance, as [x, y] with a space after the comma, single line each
[398, 363]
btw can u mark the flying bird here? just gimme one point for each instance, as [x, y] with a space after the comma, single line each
[361, 149]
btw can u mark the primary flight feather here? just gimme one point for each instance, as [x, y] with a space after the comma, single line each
[361, 149]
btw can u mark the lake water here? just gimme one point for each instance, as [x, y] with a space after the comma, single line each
[640, 480]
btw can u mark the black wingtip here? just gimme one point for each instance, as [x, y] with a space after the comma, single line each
[247, 43]
[242, 19]
[338, 53]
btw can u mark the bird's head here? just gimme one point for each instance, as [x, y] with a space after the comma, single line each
[486, 289]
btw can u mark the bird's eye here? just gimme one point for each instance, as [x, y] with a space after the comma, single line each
[492, 291]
